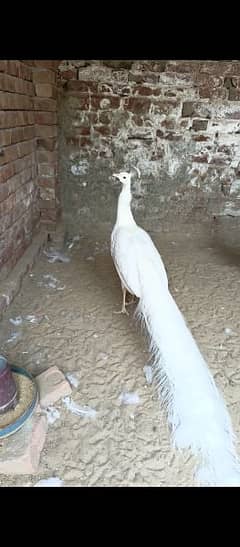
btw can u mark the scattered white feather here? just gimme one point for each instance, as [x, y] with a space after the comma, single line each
[17, 321]
[228, 331]
[79, 410]
[56, 256]
[52, 414]
[129, 398]
[50, 282]
[13, 337]
[72, 379]
[52, 481]
[148, 374]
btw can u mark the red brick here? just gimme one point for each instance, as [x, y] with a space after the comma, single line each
[200, 159]
[45, 104]
[44, 156]
[137, 105]
[102, 129]
[49, 65]
[46, 90]
[234, 94]
[3, 66]
[44, 76]
[82, 86]
[82, 131]
[183, 66]
[49, 144]
[164, 107]
[213, 94]
[144, 90]
[5, 137]
[16, 85]
[200, 138]
[47, 170]
[46, 131]
[221, 67]
[14, 101]
[105, 117]
[52, 386]
[98, 102]
[48, 215]
[6, 172]
[141, 78]
[10, 154]
[21, 452]
[46, 118]
[47, 182]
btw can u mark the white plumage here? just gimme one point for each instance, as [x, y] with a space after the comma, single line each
[197, 413]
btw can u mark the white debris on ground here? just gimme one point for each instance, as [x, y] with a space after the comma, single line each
[86, 411]
[31, 318]
[51, 481]
[73, 381]
[148, 373]
[52, 414]
[71, 243]
[56, 256]
[129, 398]
[228, 331]
[17, 321]
[50, 282]
[13, 337]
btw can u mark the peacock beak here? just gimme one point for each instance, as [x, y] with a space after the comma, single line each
[116, 176]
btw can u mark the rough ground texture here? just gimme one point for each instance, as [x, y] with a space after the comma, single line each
[79, 332]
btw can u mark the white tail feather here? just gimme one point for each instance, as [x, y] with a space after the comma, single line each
[197, 413]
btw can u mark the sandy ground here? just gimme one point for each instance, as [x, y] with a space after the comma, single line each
[124, 445]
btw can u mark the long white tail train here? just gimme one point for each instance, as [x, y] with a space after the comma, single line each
[197, 413]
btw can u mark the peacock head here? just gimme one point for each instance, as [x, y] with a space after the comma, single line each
[125, 177]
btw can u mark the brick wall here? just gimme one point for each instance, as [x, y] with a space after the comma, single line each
[178, 121]
[28, 143]
[45, 104]
[19, 212]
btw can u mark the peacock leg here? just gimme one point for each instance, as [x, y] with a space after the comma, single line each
[132, 301]
[123, 310]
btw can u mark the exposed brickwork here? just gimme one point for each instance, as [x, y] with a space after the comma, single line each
[179, 121]
[28, 162]
[45, 117]
[19, 211]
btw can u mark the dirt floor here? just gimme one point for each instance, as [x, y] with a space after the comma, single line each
[77, 330]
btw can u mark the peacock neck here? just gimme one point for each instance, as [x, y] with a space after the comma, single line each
[124, 213]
